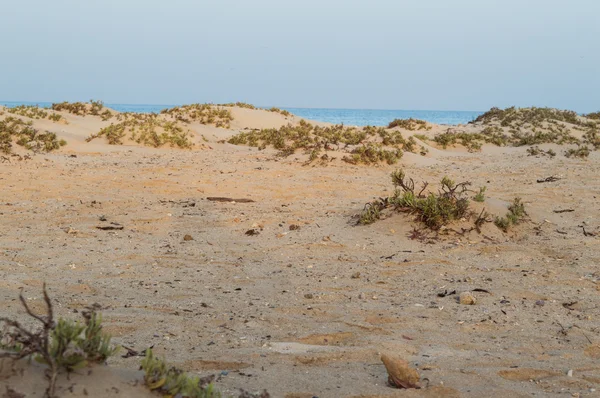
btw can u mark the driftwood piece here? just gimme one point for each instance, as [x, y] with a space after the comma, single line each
[229, 200]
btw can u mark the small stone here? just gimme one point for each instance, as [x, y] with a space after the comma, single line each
[187, 238]
[294, 227]
[309, 296]
[570, 373]
[356, 275]
[400, 374]
[467, 298]
[540, 303]
[361, 296]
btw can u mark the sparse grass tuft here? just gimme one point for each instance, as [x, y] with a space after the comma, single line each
[516, 214]
[582, 152]
[170, 381]
[480, 196]
[536, 151]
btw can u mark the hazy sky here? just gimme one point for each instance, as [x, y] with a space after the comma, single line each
[383, 54]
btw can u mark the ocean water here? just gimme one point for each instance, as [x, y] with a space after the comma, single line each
[349, 117]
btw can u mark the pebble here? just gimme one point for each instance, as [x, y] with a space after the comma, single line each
[467, 298]
[188, 238]
[540, 303]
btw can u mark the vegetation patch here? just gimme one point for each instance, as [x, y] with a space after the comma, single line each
[145, 129]
[170, 381]
[367, 145]
[433, 209]
[64, 345]
[34, 112]
[536, 151]
[582, 152]
[409, 124]
[15, 130]
[203, 114]
[523, 126]
[94, 108]
[516, 214]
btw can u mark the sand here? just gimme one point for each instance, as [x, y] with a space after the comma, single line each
[286, 310]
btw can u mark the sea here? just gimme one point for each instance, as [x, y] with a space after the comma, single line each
[348, 117]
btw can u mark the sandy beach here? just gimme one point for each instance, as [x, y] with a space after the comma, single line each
[283, 290]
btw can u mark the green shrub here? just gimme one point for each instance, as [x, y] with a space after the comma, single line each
[145, 129]
[516, 214]
[368, 145]
[581, 152]
[15, 129]
[170, 381]
[480, 196]
[409, 124]
[63, 345]
[434, 210]
[203, 114]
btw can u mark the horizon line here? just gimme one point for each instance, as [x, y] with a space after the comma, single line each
[258, 106]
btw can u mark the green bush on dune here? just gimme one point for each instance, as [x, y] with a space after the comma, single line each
[409, 124]
[145, 129]
[13, 129]
[368, 145]
[201, 113]
[523, 127]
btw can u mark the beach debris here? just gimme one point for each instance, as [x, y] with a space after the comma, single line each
[400, 374]
[182, 203]
[355, 275]
[188, 237]
[113, 226]
[446, 293]
[246, 394]
[548, 179]
[10, 393]
[586, 233]
[309, 296]
[252, 232]
[294, 227]
[467, 298]
[229, 200]
[133, 353]
[564, 211]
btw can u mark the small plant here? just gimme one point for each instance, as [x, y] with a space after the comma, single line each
[581, 152]
[63, 345]
[516, 214]
[536, 151]
[594, 115]
[480, 196]
[172, 382]
[409, 124]
[434, 210]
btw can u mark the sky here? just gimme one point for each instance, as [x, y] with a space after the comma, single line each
[369, 54]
